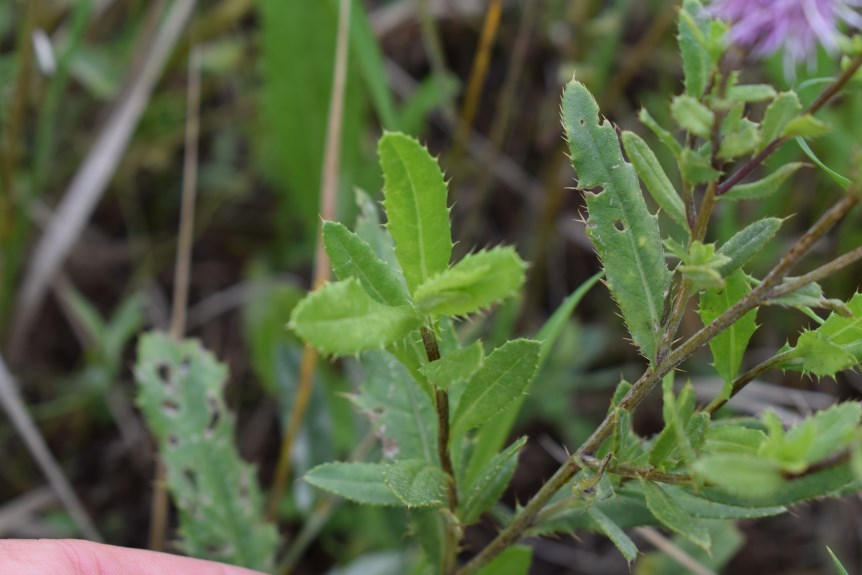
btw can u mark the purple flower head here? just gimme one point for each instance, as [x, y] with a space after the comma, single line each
[766, 26]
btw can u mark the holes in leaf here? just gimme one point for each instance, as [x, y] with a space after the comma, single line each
[185, 365]
[620, 226]
[173, 440]
[215, 415]
[163, 372]
[191, 477]
[582, 121]
[170, 407]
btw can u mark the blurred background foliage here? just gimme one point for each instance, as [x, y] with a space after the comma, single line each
[266, 78]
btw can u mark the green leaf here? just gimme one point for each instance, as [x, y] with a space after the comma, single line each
[478, 281]
[369, 228]
[813, 440]
[838, 566]
[416, 483]
[352, 257]
[784, 108]
[693, 116]
[762, 188]
[696, 60]
[359, 482]
[650, 171]
[503, 378]
[751, 93]
[842, 181]
[341, 319]
[733, 439]
[513, 560]
[489, 486]
[613, 532]
[403, 415]
[459, 365]
[674, 517]
[706, 509]
[747, 242]
[625, 234]
[415, 202]
[180, 392]
[664, 136]
[805, 126]
[729, 346]
[741, 141]
[696, 168]
[743, 475]
[821, 355]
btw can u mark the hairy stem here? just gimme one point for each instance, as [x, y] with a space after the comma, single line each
[525, 519]
[441, 401]
[820, 273]
[746, 378]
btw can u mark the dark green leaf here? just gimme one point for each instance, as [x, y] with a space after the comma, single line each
[486, 490]
[359, 482]
[416, 482]
[613, 531]
[650, 171]
[674, 517]
[762, 188]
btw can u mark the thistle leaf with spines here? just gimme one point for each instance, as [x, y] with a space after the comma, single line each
[458, 365]
[342, 319]
[783, 109]
[653, 175]
[478, 281]
[615, 533]
[485, 491]
[834, 346]
[729, 346]
[416, 482]
[632, 256]
[504, 376]
[415, 200]
[358, 482]
[692, 116]
[673, 516]
[180, 392]
[352, 257]
[745, 243]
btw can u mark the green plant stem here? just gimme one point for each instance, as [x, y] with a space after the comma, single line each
[818, 274]
[747, 378]
[441, 402]
[637, 471]
[525, 519]
[821, 101]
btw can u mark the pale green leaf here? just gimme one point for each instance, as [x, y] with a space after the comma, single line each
[674, 517]
[729, 346]
[838, 566]
[506, 373]
[352, 257]
[747, 242]
[478, 281]
[805, 126]
[342, 319]
[402, 414]
[739, 474]
[615, 533]
[842, 181]
[740, 142]
[784, 108]
[359, 482]
[664, 136]
[751, 92]
[369, 228]
[696, 60]
[822, 356]
[513, 560]
[180, 393]
[486, 490]
[416, 483]
[650, 171]
[696, 168]
[692, 116]
[458, 365]
[762, 188]
[625, 234]
[706, 509]
[734, 439]
[415, 201]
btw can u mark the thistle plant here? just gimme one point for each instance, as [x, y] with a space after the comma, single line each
[443, 404]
